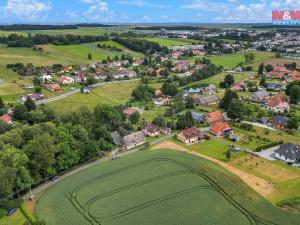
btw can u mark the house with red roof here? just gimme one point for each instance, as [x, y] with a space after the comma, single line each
[220, 129]
[278, 103]
[129, 112]
[214, 117]
[6, 118]
[65, 80]
[52, 87]
[151, 130]
[190, 135]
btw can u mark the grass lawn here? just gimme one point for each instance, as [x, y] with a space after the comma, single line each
[126, 50]
[167, 42]
[10, 88]
[82, 51]
[157, 187]
[111, 94]
[213, 148]
[16, 219]
[231, 61]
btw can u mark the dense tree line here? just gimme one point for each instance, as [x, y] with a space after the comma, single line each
[15, 40]
[47, 144]
[171, 28]
[140, 45]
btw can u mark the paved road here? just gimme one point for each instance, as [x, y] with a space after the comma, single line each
[45, 101]
[259, 125]
[46, 185]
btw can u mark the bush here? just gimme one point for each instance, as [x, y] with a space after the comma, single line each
[3, 213]
[263, 147]
[27, 214]
[10, 204]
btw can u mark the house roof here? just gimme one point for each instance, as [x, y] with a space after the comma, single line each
[280, 120]
[129, 111]
[134, 138]
[205, 99]
[151, 128]
[219, 127]
[197, 116]
[192, 133]
[276, 100]
[5, 118]
[289, 150]
[214, 117]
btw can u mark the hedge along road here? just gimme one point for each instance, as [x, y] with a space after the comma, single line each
[46, 185]
[48, 100]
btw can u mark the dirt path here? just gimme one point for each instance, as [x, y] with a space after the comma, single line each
[260, 185]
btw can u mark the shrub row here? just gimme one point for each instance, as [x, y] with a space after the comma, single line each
[263, 147]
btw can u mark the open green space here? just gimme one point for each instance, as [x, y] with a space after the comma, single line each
[10, 88]
[16, 219]
[126, 50]
[111, 94]
[159, 187]
[231, 61]
[167, 42]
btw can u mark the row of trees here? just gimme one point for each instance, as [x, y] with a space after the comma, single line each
[15, 40]
[29, 154]
[140, 45]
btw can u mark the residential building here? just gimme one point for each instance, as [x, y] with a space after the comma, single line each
[206, 100]
[274, 87]
[279, 122]
[162, 101]
[190, 135]
[6, 118]
[128, 140]
[197, 117]
[278, 103]
[52, 87]
[65, 80]
[220, 129]
[260, 96]
[165, 130]
[289, 153]
[129, 112]
[214, 117]
[151, 130]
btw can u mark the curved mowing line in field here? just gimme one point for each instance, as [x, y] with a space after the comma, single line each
[153, 202]
[252, 218]
[140, 183]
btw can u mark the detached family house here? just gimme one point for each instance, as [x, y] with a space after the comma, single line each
[206, 100]
[151, 130]
[64, 80]
[214, 117]
[279, 122]
[278, 103]
[190, 135]
[128, 140]
[289, 153]
[6, 118]
[220, 129]
[260, 96]
[52, 87]
[129, 112]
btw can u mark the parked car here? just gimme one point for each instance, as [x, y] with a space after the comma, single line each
[11, 211]
[53, 178]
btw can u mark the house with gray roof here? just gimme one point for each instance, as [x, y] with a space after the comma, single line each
[128, 140]
[206, 100]
[260, 96]
[197, 117]
[289, 153]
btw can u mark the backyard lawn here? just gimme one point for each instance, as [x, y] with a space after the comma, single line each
[167, 42]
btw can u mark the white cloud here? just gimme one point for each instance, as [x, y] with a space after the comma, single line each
[146, 18]
[204, 5]
[141, 3]
[97, 11]
[164, 17]
[232, 1]
[26, 9]
[71, 14]
[275, 5]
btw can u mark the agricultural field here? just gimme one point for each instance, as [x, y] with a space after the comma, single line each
[157, 187]
[126, 50]
[82, 51]
[231, 61]
[167, 42]
[106, 94]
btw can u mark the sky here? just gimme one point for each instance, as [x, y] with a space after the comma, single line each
[140, 11]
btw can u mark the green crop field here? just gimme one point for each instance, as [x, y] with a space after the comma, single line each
[171, 42]
[159, 187]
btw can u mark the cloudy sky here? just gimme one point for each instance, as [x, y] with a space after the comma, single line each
[140, 11]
